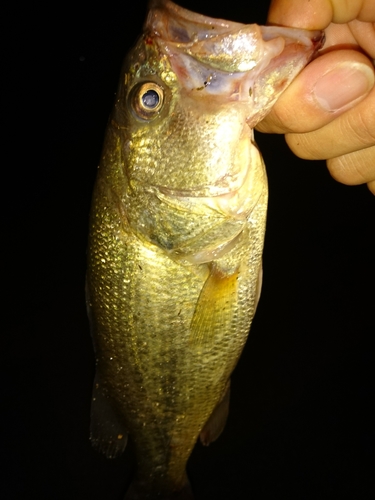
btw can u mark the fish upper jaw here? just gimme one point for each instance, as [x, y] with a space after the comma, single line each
[169, 20]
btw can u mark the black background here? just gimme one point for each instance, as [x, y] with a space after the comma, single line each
[301, 423]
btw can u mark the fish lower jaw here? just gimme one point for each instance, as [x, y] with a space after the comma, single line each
[238, 203]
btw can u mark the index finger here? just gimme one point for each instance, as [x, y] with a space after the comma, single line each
[318, 14]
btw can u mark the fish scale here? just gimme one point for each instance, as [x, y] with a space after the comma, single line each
[176, 234]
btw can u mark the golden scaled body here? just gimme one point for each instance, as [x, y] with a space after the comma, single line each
[176, 237]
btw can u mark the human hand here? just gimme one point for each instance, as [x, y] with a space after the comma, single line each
[328, 112]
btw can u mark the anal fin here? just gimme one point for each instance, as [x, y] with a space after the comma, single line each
[107, 432]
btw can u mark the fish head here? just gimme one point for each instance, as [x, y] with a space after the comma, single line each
[192, 90]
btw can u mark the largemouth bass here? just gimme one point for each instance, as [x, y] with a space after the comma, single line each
[176, 233]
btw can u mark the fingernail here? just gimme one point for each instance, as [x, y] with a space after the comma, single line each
[342, 85]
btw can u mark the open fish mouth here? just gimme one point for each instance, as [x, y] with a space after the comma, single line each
[225, 57]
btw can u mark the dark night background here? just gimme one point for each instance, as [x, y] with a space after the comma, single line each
[301, 423]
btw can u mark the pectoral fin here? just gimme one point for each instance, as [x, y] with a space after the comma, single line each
[216, 423]
[215, 307]
[107, 432]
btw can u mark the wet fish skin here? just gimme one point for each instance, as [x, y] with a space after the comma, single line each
[176, 234]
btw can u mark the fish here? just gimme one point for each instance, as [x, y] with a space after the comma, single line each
[176, 234]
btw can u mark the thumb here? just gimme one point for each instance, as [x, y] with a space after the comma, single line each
[330, 85]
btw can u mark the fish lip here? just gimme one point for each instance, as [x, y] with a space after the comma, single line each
[319, 41]
[301, 35]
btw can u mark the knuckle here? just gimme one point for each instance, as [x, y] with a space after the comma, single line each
[305, 146]
[357, 167]
[371, 186]
[338, 168]
[276, 120]
[361, 126]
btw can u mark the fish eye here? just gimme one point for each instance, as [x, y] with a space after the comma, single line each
[147, 100]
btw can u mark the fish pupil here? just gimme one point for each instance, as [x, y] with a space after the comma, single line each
[146, 100]
[150, 99]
